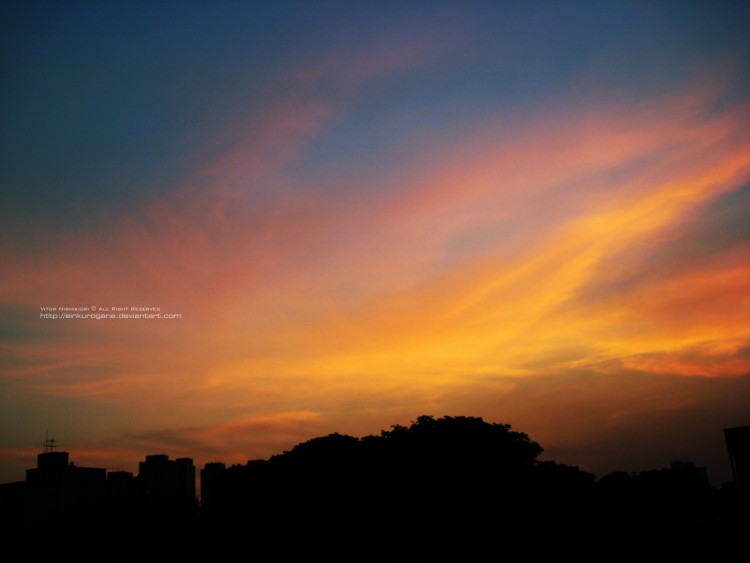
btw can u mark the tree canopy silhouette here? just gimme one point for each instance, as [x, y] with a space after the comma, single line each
[448, 480]
[441, 489]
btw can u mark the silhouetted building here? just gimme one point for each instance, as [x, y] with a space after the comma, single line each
[157, 476]
[121, 486]
[57, 487]
[209, 476]
[184, 478]
[738, 446]
[163, 478]
[12, 501]
[689, 468]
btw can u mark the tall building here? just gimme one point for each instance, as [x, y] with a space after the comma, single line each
[121, 487]
[738, 446]
[163, 478]
[209, 476]
[184, 478]
[57, 486]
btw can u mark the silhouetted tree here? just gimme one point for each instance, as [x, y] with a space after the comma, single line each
[441, 485]
[440, 489]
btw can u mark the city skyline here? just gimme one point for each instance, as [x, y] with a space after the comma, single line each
[164, 478]
[457, 487]
[731, 449]
[316, 217]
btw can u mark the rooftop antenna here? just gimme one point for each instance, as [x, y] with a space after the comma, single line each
[49, 443]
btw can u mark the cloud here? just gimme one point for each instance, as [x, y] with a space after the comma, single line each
[254, 435]
[490, 260]
[587, 238]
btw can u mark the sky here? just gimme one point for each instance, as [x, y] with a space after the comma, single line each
[357, 213]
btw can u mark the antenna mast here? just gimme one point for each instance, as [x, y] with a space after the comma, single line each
[49, 443]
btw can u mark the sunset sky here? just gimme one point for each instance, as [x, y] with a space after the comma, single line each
[534, 212]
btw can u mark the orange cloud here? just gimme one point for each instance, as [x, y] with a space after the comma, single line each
[496, 255]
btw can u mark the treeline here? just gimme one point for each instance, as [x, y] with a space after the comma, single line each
[441, 489]
[458, 489]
